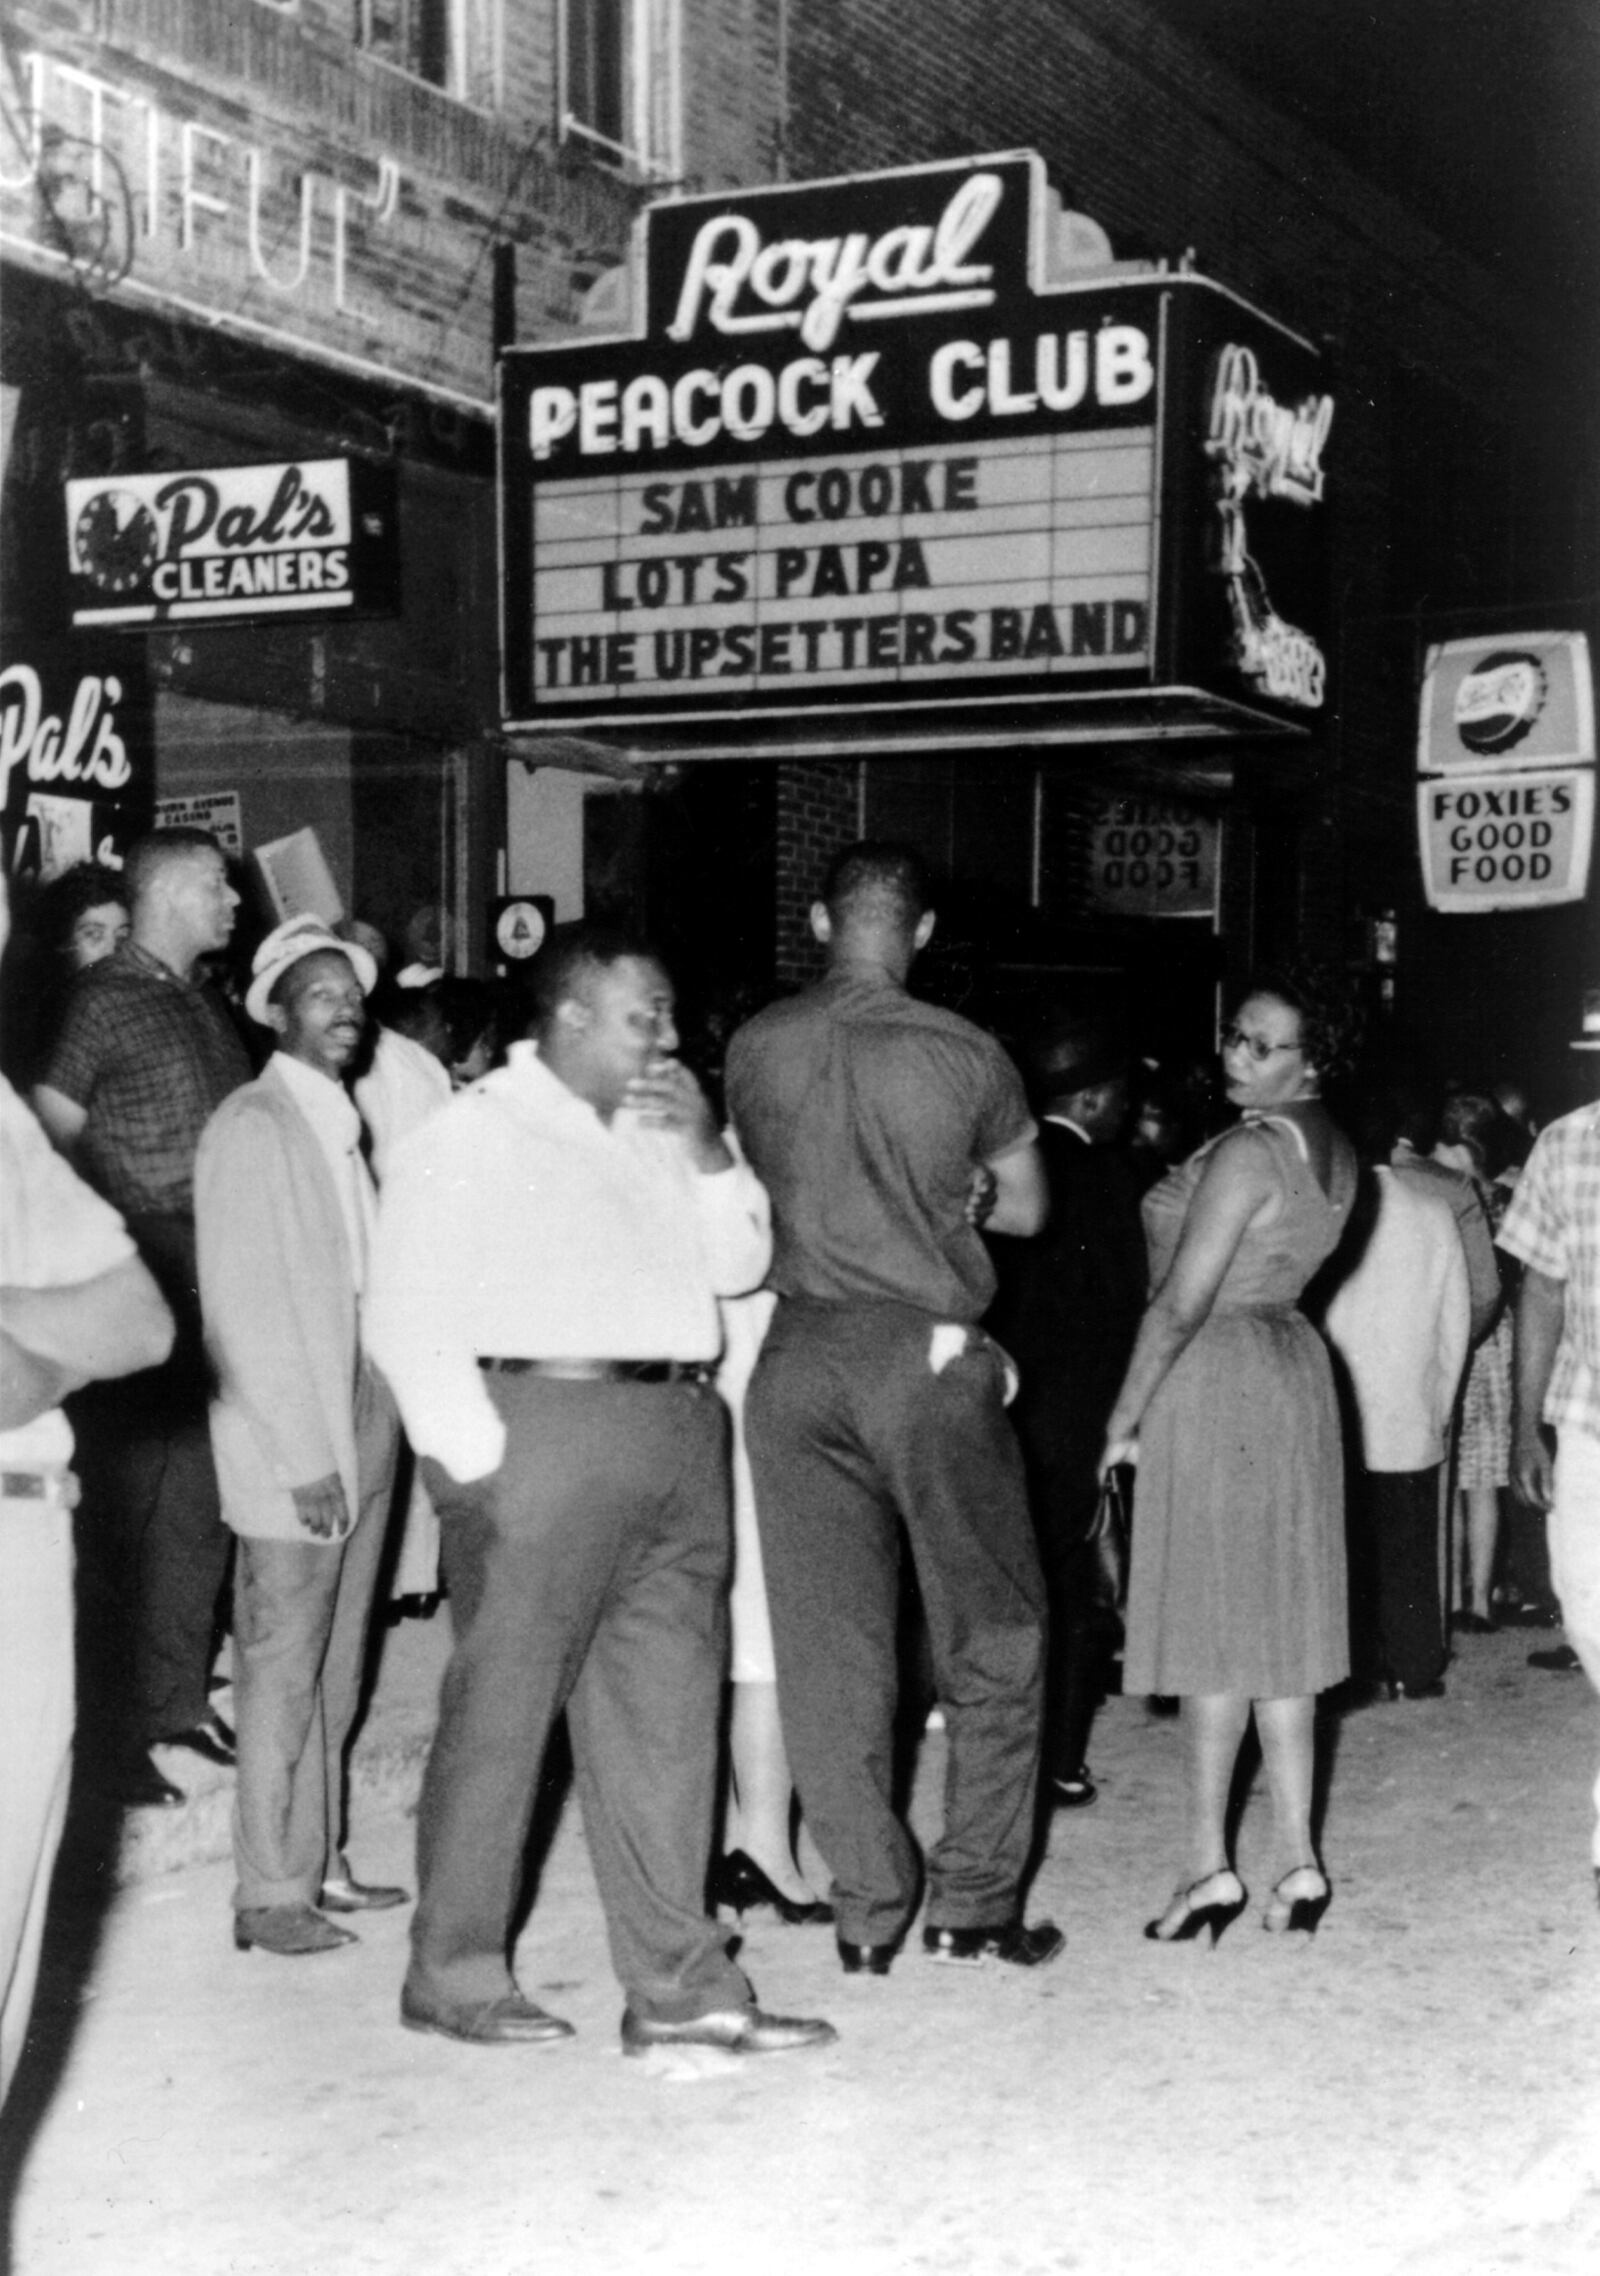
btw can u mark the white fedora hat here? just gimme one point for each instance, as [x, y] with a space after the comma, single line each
[286, 944]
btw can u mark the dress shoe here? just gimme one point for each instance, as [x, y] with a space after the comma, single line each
[141, 1786]
[1017, 1946]
[1296, 1912]
[508, 2021]
[346, 1895]
[292, 1931]
[209, 1737]
[1473, 1624]
[1560, 1659]
[1206, 1907]
[739, 1883]
[1529, 1614]
[866, 1959]
[1073, 1789]
[735, 2030]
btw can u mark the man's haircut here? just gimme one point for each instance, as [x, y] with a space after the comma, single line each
[151, 856]
[570, 955]
[877, 879]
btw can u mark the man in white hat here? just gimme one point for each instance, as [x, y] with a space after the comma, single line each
[1553, 1226]
[303, 1428]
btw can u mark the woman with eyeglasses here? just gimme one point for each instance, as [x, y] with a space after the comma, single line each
[1237, 1593]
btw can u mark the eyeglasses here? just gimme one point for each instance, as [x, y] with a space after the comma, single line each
[1235, 1038]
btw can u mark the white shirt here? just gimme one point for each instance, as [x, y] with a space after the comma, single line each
[336, 1126]
[54, 1233]
[516, 1224]
[1399, 1321]
[402, 1087]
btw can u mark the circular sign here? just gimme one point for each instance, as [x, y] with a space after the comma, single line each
[519, 930]
[1499, 700]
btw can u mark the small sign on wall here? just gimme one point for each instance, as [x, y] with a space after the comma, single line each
[313, 538]
[1508, 700]
[1508, 841]
[213, 810]
[1151, 859]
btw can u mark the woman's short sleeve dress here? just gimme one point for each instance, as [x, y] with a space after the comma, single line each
[1237, 1581]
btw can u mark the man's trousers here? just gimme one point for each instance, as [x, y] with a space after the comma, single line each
[1400, 1515]
[861, 1416]
[588, 1574]
[36, 1711]
[1575, 1558]
[301, 1615]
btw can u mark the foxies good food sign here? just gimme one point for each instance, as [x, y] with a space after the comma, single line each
[858, 457]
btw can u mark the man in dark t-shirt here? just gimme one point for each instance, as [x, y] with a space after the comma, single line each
[883, 1129]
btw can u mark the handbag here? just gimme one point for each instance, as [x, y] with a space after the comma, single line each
[1108, 1541]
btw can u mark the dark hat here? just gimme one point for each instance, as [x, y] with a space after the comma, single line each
[1074, 1055]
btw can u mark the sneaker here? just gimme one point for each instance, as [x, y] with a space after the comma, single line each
[1017, 1946]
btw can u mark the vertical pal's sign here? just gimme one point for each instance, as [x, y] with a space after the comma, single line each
[1505, 756]
[871, 447]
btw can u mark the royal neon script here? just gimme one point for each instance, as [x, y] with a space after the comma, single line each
[809, 285]
[1275, 452]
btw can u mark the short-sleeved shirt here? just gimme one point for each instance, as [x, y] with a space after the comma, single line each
[864, 1113]
[54, 1233]
[150, 1058]
[1553, 1224]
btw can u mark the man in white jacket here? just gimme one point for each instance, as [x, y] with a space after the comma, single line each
[304, 1432]
[1400, 1322]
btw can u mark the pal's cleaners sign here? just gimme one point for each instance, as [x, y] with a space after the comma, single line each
[1505, 803]
[868, 450]
[313, 538]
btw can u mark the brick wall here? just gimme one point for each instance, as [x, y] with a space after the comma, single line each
[819, 811]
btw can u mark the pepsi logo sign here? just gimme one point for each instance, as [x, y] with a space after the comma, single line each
[1499, 700]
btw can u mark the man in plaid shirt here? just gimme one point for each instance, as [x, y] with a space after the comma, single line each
[146, 1055]
[1553, 1226]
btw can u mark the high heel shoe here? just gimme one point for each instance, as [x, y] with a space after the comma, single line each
[1215, 1914]
[738, 1882]
[1297, 1915]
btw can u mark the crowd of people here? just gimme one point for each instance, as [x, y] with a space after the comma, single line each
[355, 1285]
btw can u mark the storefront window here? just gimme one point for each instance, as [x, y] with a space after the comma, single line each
[620, 81]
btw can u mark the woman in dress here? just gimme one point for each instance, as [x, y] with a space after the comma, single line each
[1237, 1591]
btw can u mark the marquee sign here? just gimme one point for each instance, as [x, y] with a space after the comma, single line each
[858, 459]
[316, 538]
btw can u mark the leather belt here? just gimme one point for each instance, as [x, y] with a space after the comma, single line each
[57, 1486]
[606, 1370]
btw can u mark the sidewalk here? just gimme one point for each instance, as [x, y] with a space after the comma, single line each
[1416, 2092]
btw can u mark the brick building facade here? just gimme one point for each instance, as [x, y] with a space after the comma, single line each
[269, 229]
